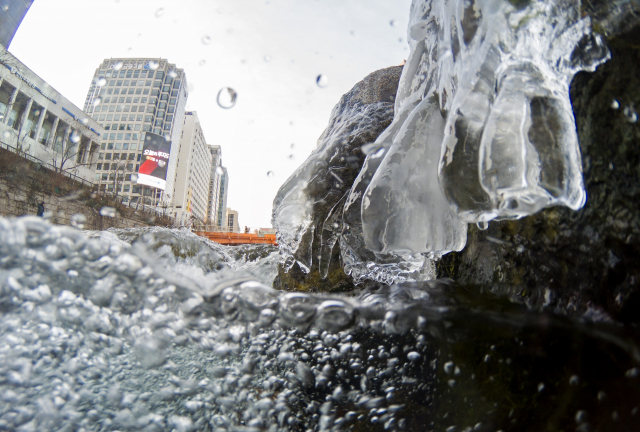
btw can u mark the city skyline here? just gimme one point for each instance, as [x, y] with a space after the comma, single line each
[270, 54]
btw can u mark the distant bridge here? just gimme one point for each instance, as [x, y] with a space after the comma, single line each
[231, 239]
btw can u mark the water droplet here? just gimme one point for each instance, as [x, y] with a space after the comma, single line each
[392, 23]
[520, 249]
[5, 7]
[413, 356]
[630, 114]
[293, 146]
[97, 101]
[219, 171]
[632, 373]
[153, 65]
[540, 387]
[6, 134]
[75, 137]
[227, 98]
[267, 58]
[206, 40]
[108, 211]
[173, 73]
[84, 121]
[159, 12]
[482, 225]
[78, 220]
[101, 81]
[322, 80]
[574, 380]
[581, 416]
[615, 104]
[134, 177]
[448, 367]
[270, 174]
[292, 157]
[202, 62]
[118, 65]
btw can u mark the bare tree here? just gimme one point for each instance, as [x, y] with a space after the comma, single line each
[74, 152]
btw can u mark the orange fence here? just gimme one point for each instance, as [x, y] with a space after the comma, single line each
[231, 239]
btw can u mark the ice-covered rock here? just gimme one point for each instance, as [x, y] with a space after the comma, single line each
[483, 122]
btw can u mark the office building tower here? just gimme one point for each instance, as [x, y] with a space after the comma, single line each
[191, 184]
[214, 184]
[233, 224]
[130, 97]
[38, 121]
[11, 14]
[222, 197]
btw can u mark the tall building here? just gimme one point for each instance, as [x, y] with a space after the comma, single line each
[12, 13]
[214, 184]
[233, 224]
[128, 97]
[222, 197]
[191, 184]
[39, 121]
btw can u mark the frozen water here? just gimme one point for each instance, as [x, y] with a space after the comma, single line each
[483, 125]
[156, 329]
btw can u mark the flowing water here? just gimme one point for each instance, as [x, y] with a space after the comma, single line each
[158, 329]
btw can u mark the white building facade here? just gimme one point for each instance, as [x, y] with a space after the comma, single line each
[128, 97]
[191, 180]
[214, 185]
[37, 120]
[222, 197]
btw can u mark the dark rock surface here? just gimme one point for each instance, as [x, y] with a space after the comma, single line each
[587, 260]
[359, 118]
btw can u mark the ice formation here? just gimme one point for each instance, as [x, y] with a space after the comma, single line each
[483, 127]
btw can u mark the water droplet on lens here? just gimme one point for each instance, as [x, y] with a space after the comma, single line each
[322, 80]
[75, 137]
[78, 220]
[293, 146]
[159, 12]
[101, 82]
[615, 104]
[482, 225]
[574, 380]
[118, 65]
[206, 40]
[270, 174]
[219, 171]
[5, 7]
[134, 177]
[97, 101]
[173, 73]
[392, 23]
[153, 65]
[413, 356]
[520, 249]
[227, 98]
[202, 62]
[108, 211]
[292, 157]
[630, 114]
[540, 387]
[267, 58]
[6, 134]
[84, 121]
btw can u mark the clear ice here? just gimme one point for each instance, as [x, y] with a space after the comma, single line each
[483, 130]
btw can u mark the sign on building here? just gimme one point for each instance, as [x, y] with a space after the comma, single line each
[155, 161]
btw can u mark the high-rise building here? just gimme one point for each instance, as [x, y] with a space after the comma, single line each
[39, 121]
[191, 184]
[222, 197]
[214, 184]
[12, 13]
[233, 224]
[128, 97]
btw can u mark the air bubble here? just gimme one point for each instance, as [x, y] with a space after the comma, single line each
[270, 174]
[108, 211]
[227, 98]
[413, 356]
[630, 114]
[159, 12]
[206, 40]
[118, 65]
[322, 80]
[482, 226]
[78, 220]
[448, 367]
[101, 81]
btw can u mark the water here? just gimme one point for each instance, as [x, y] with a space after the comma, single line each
[158, 329]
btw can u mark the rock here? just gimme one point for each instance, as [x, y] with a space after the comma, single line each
[308, 207]
[585, 261]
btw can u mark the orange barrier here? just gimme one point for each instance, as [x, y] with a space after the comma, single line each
[230, 239]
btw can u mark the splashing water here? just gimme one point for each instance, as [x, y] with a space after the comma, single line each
[158, 329]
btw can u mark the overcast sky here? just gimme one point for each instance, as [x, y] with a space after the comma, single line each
[270, 52]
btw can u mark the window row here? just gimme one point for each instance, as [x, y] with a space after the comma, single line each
[106, 92]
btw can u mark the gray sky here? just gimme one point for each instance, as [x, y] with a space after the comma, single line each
[270, 52]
